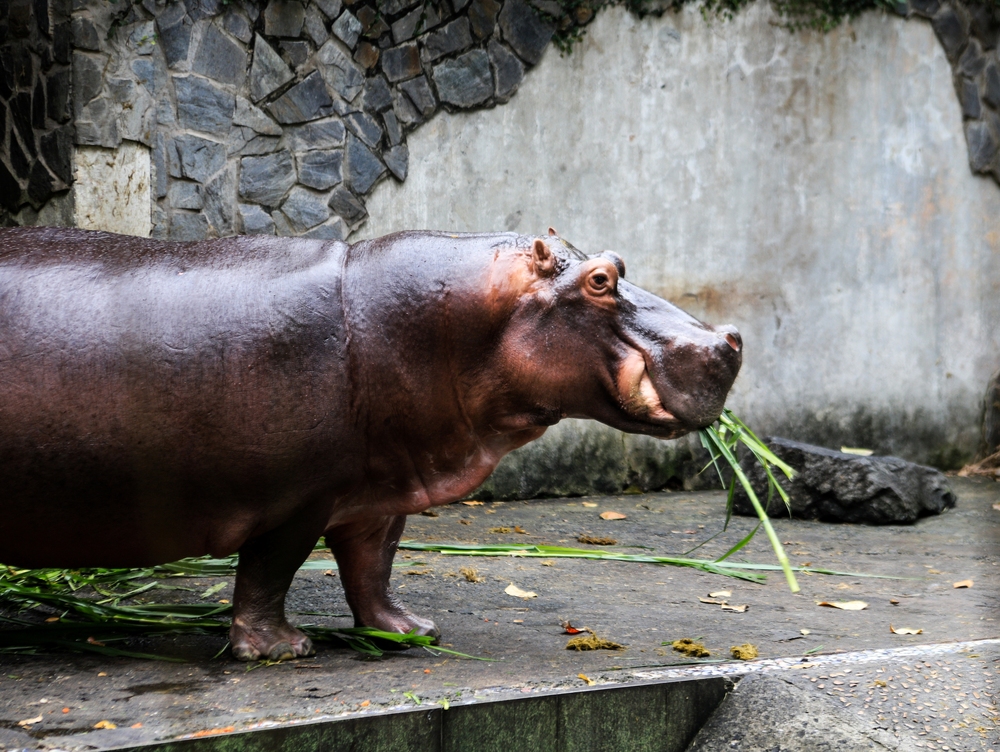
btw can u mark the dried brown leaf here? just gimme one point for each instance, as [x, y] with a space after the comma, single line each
[515, 591]
[963, 584]
[612, 516]
[844, 605]
[905, 630]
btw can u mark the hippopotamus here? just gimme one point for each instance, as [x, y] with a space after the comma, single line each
[163, 400]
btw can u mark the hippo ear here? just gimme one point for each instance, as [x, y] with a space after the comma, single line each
[552, 232]
[542, 260]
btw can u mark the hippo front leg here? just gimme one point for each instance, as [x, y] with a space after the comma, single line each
[364, 554]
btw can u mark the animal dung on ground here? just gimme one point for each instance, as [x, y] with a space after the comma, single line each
[471, 575]
[690, 648]
[595, 541]
[744, 652]
[590, 641]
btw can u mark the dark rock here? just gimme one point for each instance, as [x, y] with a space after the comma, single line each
[968, 94]
[295, 51]
[184, 195]
[952, 31]
[465, 81]
[88, 78]
[415, 22]
[268, 71]
[174, 34]
[397, 159]
[20, 112]
[450, 38]
[265, 180]
[38, 105]
[992, 79]
[990, 438]
[159, 166]
[203, 106]
[972, 61]
[10, 189]
[219, 57]
[377, 94]
[548, 7]
[19, 161]
[199, 9]
[237, 24]
[393, 131]
[925, 8]
[401, 63]
[143, 38]
[365, 127]
[321, 134]
[256, 146]
[508, 71]
[419, 92]
[334, 230]
[483, 17]
[524, 30]
[985, 23]
[363, 168]
[186, 226]
[983, 145]
[343, 74]
[56, 148]
[40, 185]
[255, 220]
[366, 55]
[284, 18]
[62, 42]
[347, 29]
[347, 205]
[321, 169]
[305, 209]
[307, 100]
[372, 24]
[405, 112]
[315, 27]
[197, 158]
[833, 486]
[394, 7]
[329, 7]
[145, 71]
[85, 34]
[220, 195]
[253, 117]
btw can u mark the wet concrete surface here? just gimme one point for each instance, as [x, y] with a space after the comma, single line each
[942, 699]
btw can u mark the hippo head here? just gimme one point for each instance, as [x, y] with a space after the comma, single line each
[587, 343]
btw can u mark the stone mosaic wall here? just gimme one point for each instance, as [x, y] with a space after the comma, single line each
[280, 117]
[35, 119]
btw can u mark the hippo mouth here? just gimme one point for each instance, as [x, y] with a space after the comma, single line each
[638, 395]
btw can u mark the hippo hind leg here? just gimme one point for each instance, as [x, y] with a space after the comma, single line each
[266, 567]
[364, 556]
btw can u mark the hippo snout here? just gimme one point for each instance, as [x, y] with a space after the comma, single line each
[731, 336]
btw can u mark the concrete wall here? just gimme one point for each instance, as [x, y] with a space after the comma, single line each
[814, 190]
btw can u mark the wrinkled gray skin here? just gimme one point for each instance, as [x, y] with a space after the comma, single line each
[163, 400]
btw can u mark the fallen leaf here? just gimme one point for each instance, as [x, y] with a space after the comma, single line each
[417, 571]
[226, 600]
[102, 674]
[213, 732]
[712, 601]
[880, 683]
[744, 652]
[570, 629]
[514, 590]
[844, 605]
[95, 641]
[933, 571]
[612, 516]
[894, 601]
[329, 573]
[588, 504]
[805, 631]
[487, 511]
[30, 721]
[905, 630]
[590, 682]
[105, 725]
[548, 563]
[689, 647]
[843, 586]
[473, 503]
[594, 541]
[471, 575]
[430, 513]
[136, 726]
[737, 609]
[997, 507]
[520, 530]
[857, 450]
[963, 584]
[51, 619]
[465, 522]
[720, 594]
[500, 530]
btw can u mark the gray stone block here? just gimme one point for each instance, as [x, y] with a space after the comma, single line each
[142, 39]
[320, 134]
[404, 110]
[220, 57]
[419, 92]
[402, 62]
[951, 30]
[834, 486]
[985, 23]
[88, 78]
[347, 206]
[203, 106]
[363, 168]
[968, 95]
[284, 18]
[56, 148]
[415, 22]
[40, 184]
[237, 24]
[186, 226]
[268, 71]
[219, 194]
[365, 127]
[992, 85]
[256, 146]
[347, 28]
[767, 714]
[393, 130]
[199, 9]
[465, 81]
[483, 17]
[255, 220]
[305, 209]
[451, 37]
[377, 96]
[525, 31]
[265, 180]
[333, 230]
[159, 166]
[57, 94]
[394, 7]
[174, 34]
[397, 159]
[973, 60]
[253, 117]
[343, 74]
[315, 26]
[185, 195]
[508, 71]
[145, 72]
[86, 35]
[307, 100]
[321, 169]
[983, 145]
[197, 158]
[925, 8]
[329, 7]
[295, 51]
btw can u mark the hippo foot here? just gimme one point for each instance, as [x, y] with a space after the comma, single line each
[396, 618]
[274, 643]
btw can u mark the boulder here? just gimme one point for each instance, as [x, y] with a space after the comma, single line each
[834, 486]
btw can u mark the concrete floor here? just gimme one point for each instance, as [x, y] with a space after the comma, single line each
[933, 697]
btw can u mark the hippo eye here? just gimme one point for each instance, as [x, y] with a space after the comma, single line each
[599, 283]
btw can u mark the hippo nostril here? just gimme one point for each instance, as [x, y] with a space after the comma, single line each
[734, 340]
